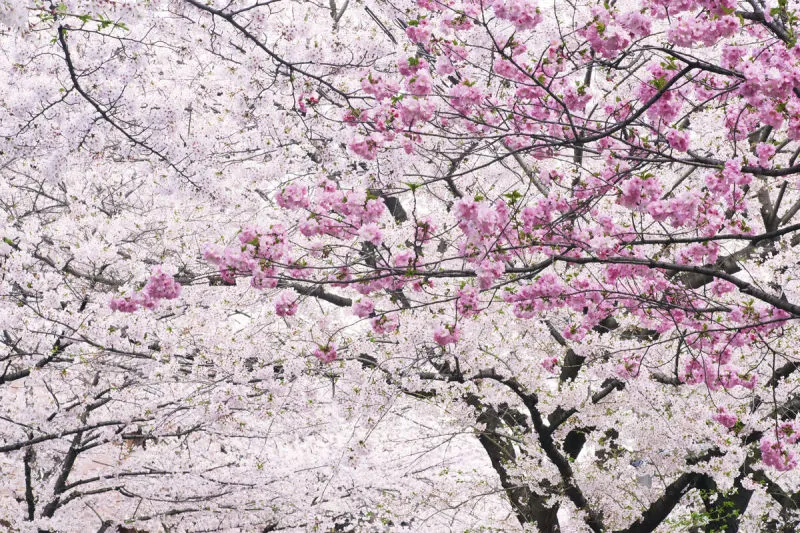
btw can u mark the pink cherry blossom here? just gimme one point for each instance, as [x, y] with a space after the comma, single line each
[327, 353]
[679, 140]
[726, 419]
[293, 196]
[371, 233]
[286, 304]
[446, 334]
[385, 323]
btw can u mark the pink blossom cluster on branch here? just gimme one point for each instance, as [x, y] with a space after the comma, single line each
[160, 286]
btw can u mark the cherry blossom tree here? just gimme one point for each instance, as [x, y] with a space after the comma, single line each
[414, 265]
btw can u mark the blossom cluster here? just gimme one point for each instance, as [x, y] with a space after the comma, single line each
[160, 286]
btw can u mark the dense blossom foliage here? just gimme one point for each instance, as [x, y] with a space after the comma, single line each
[418, 265]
